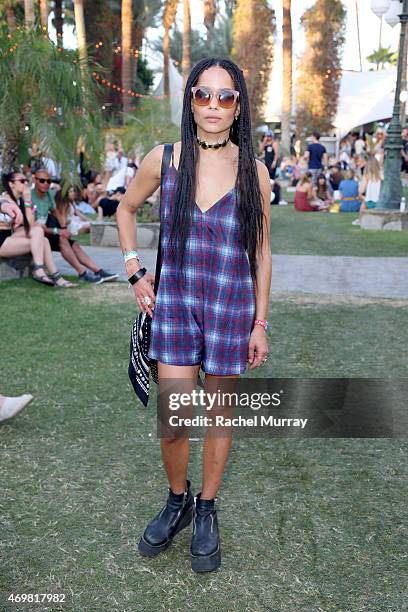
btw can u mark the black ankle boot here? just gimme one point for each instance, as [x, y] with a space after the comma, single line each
[176, 514]
[205, 544]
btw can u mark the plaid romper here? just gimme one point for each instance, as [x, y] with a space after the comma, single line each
[206, 316]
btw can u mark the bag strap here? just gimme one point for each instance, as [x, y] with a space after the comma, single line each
[167, 155]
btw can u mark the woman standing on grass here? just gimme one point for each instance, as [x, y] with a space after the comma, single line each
[211, 307]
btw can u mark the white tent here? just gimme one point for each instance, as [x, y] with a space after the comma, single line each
[364, 97]
[176, 92]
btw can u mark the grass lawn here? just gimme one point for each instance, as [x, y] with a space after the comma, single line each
[306, 525]
[296, 233]
[302, 233]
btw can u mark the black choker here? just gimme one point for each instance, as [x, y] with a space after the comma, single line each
[206, 145]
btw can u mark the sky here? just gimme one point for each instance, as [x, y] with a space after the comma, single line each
[369, 30]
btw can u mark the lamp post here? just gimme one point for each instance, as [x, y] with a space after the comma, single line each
[391, 188]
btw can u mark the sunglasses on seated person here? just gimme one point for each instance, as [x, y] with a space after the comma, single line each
[43, 181]
[226, 97]
[20, 180]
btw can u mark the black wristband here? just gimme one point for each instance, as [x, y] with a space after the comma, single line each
[137, 276]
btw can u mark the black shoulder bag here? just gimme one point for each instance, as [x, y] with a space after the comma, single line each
[140, 365]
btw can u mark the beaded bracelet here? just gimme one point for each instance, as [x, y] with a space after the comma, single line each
[262, 322]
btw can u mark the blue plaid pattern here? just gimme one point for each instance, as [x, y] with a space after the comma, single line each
[207, 316]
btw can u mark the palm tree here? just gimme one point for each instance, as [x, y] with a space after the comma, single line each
[381, 57]
[287, 74]
[81, 32]
[58, 22]
[127, 22]
[253, 28]
[186, 62]
[7, 6]
[29, 13]
[41, 100]
[210, 12]
[169, 15]
[44, 15]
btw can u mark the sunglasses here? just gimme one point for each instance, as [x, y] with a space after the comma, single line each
[23, 180]
[43, 181]
[226, 98]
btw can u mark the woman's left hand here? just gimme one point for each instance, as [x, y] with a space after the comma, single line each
[258, 347]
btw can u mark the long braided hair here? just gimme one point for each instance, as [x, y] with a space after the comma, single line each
[249, 199]
[6, 179]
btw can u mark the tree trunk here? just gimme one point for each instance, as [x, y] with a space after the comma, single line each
[138, 34]
[166, 56]
[29, 13]
[210, 11]
[127, 20]
[80, 32]
[287, 74]
[44, 15]
[11, 18]
[58, 22]
[186, 62]
[169, 16]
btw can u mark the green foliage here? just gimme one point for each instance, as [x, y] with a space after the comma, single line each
[147, 127]
[48, 94]
[219, 46]
[145, 76]
[383, 57]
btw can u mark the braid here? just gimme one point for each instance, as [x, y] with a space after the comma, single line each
[249, 194]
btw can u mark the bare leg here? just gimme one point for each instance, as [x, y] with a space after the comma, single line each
[15, 245]
[69, 256]
[100, 213]
[84, 259]
[363, 207]
[217, 443]
[50, 263]
[175, 451]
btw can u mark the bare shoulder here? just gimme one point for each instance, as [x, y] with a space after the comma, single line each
[151, 162]
[263, 175]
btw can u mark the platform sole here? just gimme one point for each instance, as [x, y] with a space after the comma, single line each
[206, 563]
[150, 550]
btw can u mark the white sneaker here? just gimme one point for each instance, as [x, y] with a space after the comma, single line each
[283, 203]
[356, 222]
[14, 405]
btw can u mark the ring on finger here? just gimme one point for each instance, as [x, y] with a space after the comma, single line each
[147, 300]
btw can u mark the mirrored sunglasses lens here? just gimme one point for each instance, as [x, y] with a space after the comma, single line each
[202, 96]
[227, 99]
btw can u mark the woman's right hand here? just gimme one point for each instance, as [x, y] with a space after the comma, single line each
[144, 288]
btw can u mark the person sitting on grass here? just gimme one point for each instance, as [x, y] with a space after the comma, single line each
[349, 194]
[74, 196]
[305, 196]
[93, 189]
[323, 192]
[107, 206]
[59, 236]
[20, 235]
[370, 187]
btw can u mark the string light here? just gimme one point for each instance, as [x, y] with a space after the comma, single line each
[120, 89]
